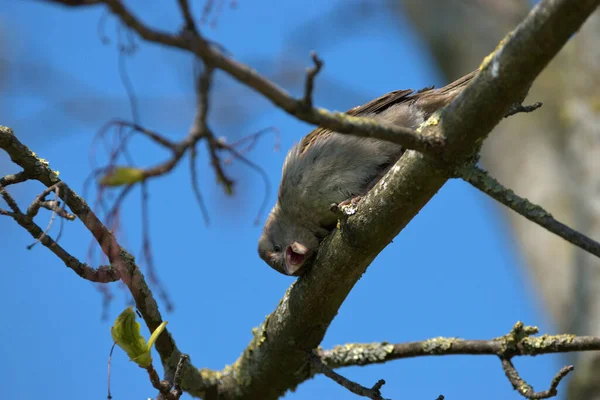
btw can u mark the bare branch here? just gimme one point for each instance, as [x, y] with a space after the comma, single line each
[162, 386]
[187, 16]
[517, 343]
[13, 179]
[55, 205]
[76, 3]
[33, 209]
[520, 108]
[336, 121]
[168, 390]
[200, 128]
[525, 389]
[154, 136]
[109, 365]
[373, 393]
[104, 274]
[147, 251]
[38, 204]
[9, 200]
[177, 391]
[311, 74]
[123, 263]
[482, 181]
[195, 187]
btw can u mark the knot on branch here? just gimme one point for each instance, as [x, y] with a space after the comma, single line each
[512, 341]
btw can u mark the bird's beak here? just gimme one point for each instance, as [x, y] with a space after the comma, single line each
[295, 255]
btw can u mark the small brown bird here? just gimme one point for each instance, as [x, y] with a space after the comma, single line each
[326, 167]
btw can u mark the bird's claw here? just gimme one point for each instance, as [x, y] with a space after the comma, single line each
[347, 207]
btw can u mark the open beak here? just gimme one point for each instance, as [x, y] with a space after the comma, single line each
[295, 255]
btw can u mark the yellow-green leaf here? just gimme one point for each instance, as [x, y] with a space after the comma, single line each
[119, 176]
[126, 334]
[155, 334]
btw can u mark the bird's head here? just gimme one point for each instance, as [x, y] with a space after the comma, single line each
[286, 246]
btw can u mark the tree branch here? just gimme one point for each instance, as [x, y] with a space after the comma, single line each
[187, 16]
[511, 345]
[525, 389]
[311, 74]
[103, 274]
[372, 393]
[482, 181]
[336, 121]
[123, 263]
[518, 342]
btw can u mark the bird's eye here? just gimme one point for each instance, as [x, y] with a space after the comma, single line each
[277, 248]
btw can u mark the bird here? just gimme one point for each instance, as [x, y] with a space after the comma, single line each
[329, 168]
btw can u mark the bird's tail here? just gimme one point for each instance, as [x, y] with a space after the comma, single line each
[430, 100]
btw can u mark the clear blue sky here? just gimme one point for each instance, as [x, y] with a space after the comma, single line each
[452, 272]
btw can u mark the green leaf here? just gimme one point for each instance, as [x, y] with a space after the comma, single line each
[126, 334]
[119, 176]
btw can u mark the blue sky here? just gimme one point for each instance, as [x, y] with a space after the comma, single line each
[452, 272]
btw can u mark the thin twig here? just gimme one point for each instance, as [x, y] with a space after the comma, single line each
[201, 130]
[190, 25]
[520, 385]
[162, 386]
[252, 139]
[154, 136]
[38, 203]
[239, 156]
[372, 393]
[112, 348]
[311, 74]
[203, 86]
[127, 49]
[9, 200]
[195, 187]
[104, 274]
[520, 108]
[147, 251]
[208, 6]
[490, 186]
[177, 378]
[7, 213]
[33, 209]
[55, 205]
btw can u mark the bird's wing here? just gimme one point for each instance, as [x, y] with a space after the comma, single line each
[429, 99]
[372, 107]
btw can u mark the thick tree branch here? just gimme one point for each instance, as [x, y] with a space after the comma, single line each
[482, 181]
